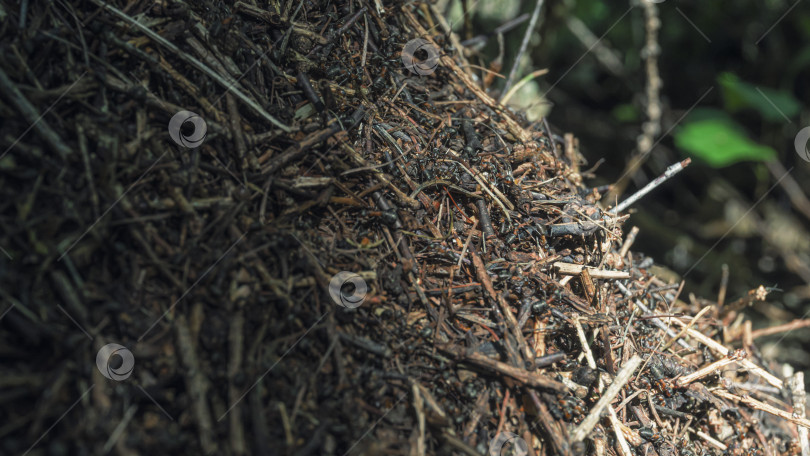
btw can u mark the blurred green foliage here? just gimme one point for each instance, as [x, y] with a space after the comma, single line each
[720, 142]
[773, 105]
[715, 138]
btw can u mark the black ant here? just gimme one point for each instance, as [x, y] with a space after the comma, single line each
[650, 435]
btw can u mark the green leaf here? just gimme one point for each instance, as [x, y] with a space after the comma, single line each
[625, 113]
[720, 143]
[774, 105]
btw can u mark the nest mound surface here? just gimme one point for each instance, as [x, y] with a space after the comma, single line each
[354, 258]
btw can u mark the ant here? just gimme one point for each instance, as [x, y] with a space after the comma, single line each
[661, 383]
[650, 435]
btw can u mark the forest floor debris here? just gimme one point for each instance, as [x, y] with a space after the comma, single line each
[350, 258]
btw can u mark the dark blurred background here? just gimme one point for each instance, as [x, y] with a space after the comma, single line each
[734, 95]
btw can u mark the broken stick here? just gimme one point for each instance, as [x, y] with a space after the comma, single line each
[611, 392]
[576, 269]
